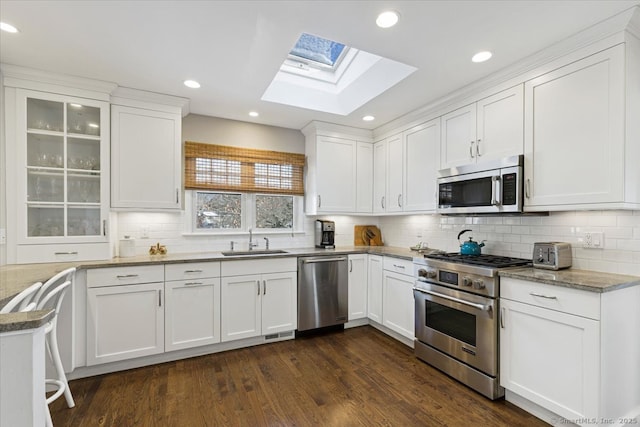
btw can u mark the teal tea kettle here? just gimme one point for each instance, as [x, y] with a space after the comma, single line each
[470, 247]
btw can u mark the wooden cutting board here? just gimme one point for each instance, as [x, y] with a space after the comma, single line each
[367, 235]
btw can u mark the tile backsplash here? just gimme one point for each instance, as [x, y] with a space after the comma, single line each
[509, 235]
[515, 235]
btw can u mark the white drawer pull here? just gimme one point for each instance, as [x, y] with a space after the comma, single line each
[399, 266]
[533, 294]
[126, 276]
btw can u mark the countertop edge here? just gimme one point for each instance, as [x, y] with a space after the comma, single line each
[20, 321]
[571, 279]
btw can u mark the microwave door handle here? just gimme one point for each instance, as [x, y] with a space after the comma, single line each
[495, 191]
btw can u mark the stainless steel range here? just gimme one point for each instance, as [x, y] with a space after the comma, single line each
[456, 303]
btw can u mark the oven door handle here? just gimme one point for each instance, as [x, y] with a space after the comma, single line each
[447, 297]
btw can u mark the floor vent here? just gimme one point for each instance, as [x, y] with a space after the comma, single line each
[280, 335]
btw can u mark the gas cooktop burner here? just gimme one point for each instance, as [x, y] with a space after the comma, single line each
[482, 260]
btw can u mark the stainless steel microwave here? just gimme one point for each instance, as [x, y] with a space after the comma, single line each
[491, 187]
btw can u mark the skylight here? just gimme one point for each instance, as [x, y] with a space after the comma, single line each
[324, 75]
[318, 50]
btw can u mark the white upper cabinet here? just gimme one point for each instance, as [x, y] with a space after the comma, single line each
[421, 163]
[338, 172]
[379, 176]
[405, 167]
[395, 168]
[575, 135]
[61, 185]
[336, 175]
[364, 178]
[147, 159]
[489, 129]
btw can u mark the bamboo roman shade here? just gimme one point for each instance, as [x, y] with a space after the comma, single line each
[225, 168]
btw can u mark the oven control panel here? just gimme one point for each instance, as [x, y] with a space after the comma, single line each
[473, 283]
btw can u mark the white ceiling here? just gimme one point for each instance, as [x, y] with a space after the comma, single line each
[234, 48]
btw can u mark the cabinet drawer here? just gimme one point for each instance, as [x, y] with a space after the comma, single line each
[191, 270]
[398, 265]
[258, 266]
[559, 298]
[31, 254]
[116, 276]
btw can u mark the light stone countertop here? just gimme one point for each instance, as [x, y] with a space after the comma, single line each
[20, 321]
[592, 281]
[16, 277]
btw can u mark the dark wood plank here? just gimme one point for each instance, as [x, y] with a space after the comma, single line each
[359, 377]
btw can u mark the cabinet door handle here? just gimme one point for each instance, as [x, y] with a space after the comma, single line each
[382, 202]
[471, 149]
[177, 193]
[533, 294]
[66, 253]
[258, 283]
[319, 201]
[264, 287]
[193, 283]
[399, 200]
[104, 227]
[126, 276]
[478, 148]
[350, 265]
[193, 271]
[502, 317]
[159, 298]
[526, 190]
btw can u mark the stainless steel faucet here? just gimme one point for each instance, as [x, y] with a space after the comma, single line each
[251, 244]
[267, 240]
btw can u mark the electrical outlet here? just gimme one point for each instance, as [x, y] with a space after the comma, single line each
[594, 240]
[144, 232]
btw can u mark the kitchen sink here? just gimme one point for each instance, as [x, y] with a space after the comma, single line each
[254, 252]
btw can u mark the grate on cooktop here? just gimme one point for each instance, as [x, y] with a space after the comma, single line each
[481, 260]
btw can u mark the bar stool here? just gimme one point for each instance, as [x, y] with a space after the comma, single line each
[50, 296]
[22, 301]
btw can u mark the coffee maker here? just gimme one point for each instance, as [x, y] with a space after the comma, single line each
[325, 233]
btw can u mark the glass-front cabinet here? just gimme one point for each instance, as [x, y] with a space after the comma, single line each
[63, 153]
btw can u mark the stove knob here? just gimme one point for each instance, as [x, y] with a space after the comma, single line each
[431, 274]
[478, 284]
[466, 281]
[422, 273]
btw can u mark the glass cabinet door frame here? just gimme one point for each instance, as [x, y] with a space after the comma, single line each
[98, 171]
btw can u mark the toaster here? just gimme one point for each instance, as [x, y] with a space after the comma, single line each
[551, 255]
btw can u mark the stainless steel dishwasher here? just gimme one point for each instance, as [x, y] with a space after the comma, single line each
[323, 292]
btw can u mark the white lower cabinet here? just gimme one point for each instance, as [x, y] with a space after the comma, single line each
[571, 351]
[357, 286]
[551, 358]
[398, 308]
[192, 305]
[124, 322]
[374, 288]
[258, 304]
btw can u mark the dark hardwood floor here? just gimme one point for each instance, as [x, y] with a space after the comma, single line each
[359, 377]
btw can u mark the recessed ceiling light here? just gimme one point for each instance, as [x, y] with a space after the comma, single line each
[8, 27]
[192, 84]
[254, 113]
[387, 19]
[368, 118]
[481, 56]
